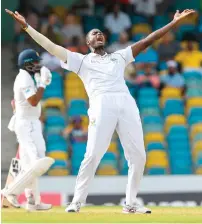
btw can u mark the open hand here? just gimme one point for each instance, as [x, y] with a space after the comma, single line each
[179, 16]
[17, 17]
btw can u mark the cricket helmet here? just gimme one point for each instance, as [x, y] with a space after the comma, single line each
[29, 60]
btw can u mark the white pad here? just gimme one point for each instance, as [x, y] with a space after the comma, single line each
[25, 178]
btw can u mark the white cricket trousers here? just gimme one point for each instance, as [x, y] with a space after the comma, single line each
[107, 113]
[32, 148]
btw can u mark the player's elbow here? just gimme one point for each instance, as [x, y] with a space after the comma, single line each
[33, 101]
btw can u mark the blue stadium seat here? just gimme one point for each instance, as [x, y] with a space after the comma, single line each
[156, 171]
[52, 112]
[199, 160]
[147, 92]
[177, 130]
[173, 106]
[77, 107]
[138, 19]
[160, 21]
[195, 111]
[78, 152]
[192, 75]
[180, 166]
[150, 112]
[145, 103]
[55, 89]
[152, 120]
[90, 22]
[194, 92]
[155, 146]
[184, 29]
[56, 142]
[54, 124]
[123, 166]
[55, 121]
[114, 37]
[152, 128]
[194, 120]
[59, 164]
[109, 156]
[138, 36]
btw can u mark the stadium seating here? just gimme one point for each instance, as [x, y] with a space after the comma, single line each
[108, 165]
[74, 88]
[78, 151]
[54, 124]
[157, 162]
[77, 107]
[173, 106]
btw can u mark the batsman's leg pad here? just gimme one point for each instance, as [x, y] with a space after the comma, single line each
[25, 178]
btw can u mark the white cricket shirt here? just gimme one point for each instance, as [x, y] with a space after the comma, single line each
[24, 88]
[100, 74]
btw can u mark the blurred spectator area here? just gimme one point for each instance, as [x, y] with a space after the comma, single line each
[165, 80]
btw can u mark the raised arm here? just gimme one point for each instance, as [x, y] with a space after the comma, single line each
[48, 45]
[150, 39]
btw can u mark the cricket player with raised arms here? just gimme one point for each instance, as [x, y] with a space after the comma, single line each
[111, 105]
[27, 127]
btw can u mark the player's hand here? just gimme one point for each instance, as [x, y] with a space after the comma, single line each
[46, 76]
[17, 17]
[179, 16]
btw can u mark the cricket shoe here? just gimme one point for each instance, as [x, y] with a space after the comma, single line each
[11, 201]
[73, 207]
[136, 209]
[31, 206]
[38, 207]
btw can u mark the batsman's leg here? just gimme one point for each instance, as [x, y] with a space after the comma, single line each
[37, 137]
[38, 168]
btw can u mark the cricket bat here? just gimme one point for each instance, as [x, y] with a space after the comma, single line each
[12, 174]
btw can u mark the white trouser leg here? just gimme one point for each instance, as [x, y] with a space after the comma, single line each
[103, 120]
[129, 129]
[32, 147]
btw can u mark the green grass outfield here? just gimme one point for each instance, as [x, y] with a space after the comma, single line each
[104, 215]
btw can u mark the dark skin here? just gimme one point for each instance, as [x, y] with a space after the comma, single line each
[96, 40]
[35, 99]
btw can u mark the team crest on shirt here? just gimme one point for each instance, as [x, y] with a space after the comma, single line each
[114, 59]
[27, 90]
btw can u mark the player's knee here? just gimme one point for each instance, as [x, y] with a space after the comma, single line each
[139, 158]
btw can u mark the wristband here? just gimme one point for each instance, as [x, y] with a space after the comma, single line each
[25, 28]
[42, 85]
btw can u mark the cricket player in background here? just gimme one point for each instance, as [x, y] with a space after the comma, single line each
[111, 105]
[27, 127]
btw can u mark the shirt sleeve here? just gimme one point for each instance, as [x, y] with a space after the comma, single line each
[126, 54]
[28, 88]
[74, 61]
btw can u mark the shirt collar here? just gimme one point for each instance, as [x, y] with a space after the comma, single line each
[94, 54]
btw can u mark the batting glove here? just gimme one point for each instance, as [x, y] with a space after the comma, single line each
[46, 76]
